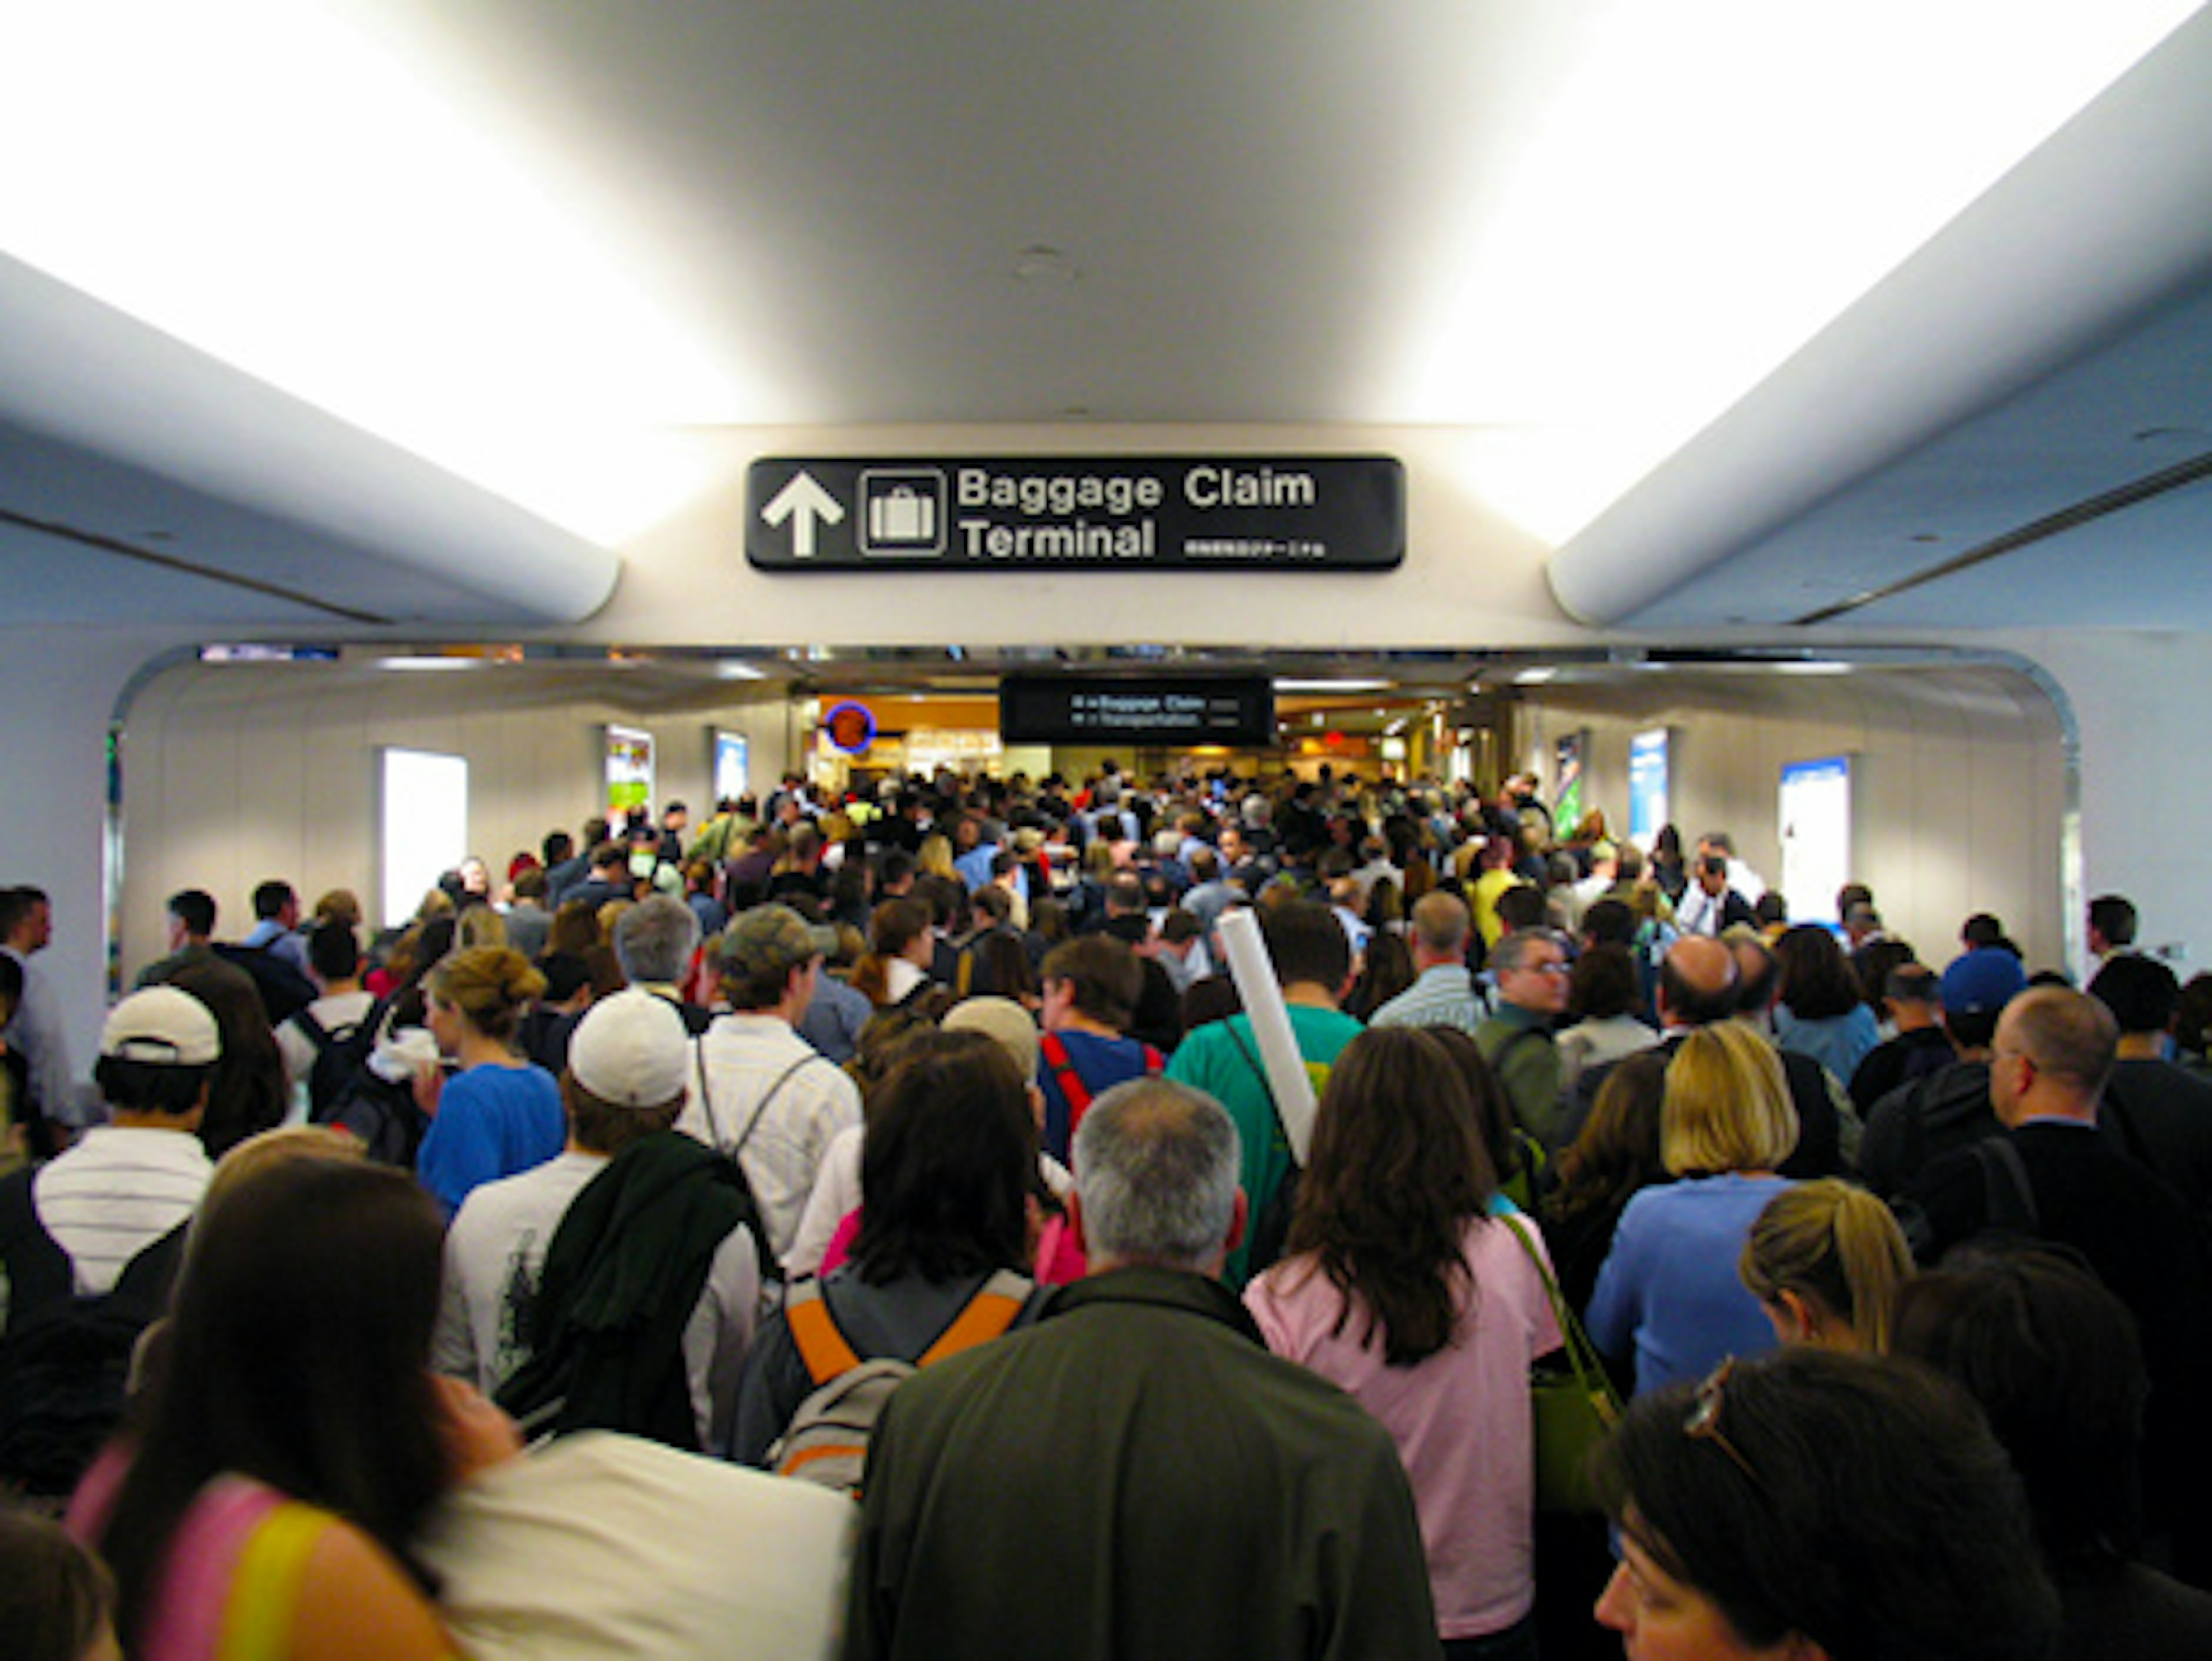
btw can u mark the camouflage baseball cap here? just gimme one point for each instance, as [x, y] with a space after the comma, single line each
[773, 939]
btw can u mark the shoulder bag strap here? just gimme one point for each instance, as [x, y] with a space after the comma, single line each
[2114, 1109]
[1260, 1073]
[781, 1079]
[706, 1095]
[1582, 1354]
[1997, 1153]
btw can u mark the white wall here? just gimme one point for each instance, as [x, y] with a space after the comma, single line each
[2143, 706]
[236, 774]
[1958, 785]
[58, 689]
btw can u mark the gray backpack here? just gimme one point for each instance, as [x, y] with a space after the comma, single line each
[827, 1441]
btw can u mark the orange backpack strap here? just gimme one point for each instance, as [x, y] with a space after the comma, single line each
[814, 1331]
[993, 1308]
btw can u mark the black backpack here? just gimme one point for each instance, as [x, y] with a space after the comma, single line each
[65, 1360]
[341, 1053]
[380, 1114]
[284, 991]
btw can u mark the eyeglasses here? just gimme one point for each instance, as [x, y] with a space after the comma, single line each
[1704, 1424]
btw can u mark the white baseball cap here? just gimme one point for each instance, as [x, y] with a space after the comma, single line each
[163, 1026]
[631, 1050]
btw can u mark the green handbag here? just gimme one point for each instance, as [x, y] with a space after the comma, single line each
[1574, 1404]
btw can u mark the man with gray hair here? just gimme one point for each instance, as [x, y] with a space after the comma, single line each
[653, 942]
[1116, 1476]
[1532, 970]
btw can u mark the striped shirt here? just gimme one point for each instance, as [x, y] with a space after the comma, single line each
[115, 1193]
[758, 1069]
[1446, 996]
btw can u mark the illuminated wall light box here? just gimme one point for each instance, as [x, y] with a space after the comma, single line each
[424, 810]
[629, 754]
[731, 765]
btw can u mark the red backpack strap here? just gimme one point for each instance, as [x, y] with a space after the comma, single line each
[1155, 1063]
[1070, 1082]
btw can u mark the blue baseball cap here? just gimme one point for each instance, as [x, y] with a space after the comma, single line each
[1981, 982]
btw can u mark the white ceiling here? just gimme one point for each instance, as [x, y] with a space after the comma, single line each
[434, 258]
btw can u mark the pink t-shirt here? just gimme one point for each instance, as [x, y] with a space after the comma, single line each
[1461, 1418]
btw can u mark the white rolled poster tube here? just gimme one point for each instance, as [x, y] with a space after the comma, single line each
[1254, 971]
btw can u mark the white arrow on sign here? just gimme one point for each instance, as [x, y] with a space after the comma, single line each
[802, 501]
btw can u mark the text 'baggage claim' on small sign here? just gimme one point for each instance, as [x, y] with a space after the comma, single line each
[1185, 514]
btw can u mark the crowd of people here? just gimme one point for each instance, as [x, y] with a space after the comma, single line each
[879, 1227]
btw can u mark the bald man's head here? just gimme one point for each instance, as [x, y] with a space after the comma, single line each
[1697, 982]
[1441, 925]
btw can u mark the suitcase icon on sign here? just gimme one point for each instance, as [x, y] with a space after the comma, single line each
[905, 513]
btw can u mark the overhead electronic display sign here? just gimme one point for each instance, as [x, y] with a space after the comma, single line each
[1162, 711]
[1113, 513]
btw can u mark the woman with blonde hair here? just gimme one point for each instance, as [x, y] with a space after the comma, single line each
[934, 857]
[1668, 1293]
[497, 1114]
[1825, 1260]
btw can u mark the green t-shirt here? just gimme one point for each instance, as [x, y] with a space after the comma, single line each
[1222, 1059]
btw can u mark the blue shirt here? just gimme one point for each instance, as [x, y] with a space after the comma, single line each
[1669, 1288]
[1099, 1064]
[492, 1122]
[1838, 1043]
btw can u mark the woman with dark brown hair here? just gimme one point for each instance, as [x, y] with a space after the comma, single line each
[292, 1440]
[1402, 1287]
[1823, 1012]
[948, 1166]
[1616, 1154]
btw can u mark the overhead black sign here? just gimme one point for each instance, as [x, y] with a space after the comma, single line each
[1123, 513]
[1164, 710]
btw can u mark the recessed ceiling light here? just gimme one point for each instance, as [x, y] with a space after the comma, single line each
[1040, 263]
[428, 665]
[1332, 686]
[1536, 676]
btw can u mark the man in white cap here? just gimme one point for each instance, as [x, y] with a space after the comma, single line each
[106, 1220]
[628, 1190]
